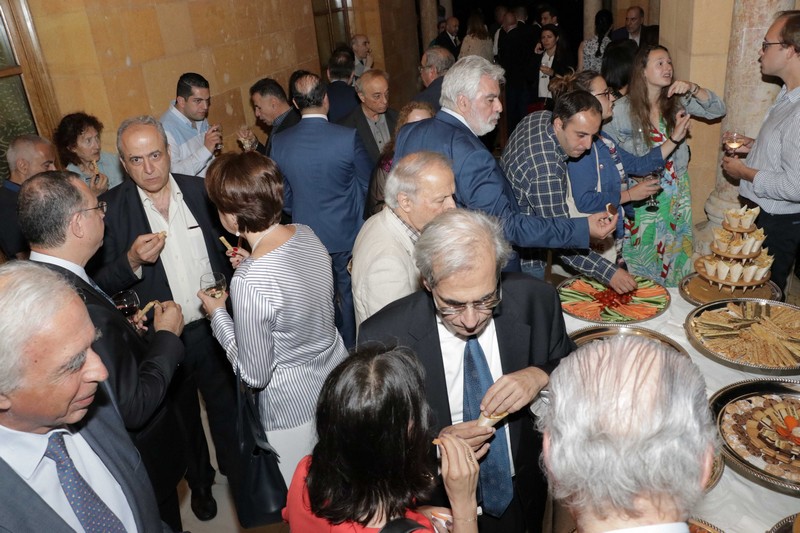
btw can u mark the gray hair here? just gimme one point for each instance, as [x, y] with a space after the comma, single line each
[369, 76]
[22, 146]
[142, 120]
[628, 418]
[407, 173]
[45, 205]
[465, 77]
[439, 58]
[30, 297]
[447, 244]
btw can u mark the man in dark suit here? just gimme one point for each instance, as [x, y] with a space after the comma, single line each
[66, 461]
[27, 155]
[272, 108]
[515, 46]
[472, 325]
[161, 238]
[326, 172]
[449, 37]
[480, 184]
[635, 29]
[435, 63]
[63, 222]
[342, 97]
[373, 119]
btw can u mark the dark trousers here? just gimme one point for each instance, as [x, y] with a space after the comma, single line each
[343, 298]
[517, 101]
[783, 241]
[206, 369]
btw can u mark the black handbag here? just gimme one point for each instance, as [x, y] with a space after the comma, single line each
[259, 492]
[401, 525]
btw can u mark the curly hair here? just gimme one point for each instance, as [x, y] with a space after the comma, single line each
[67, 132]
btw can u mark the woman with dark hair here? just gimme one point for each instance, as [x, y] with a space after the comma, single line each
[553, 61]
[77, 139]
[590, 51]
[617, 63]
[284, 339]
[659, 242]
[411, 112]
[372, 461]
[477, 42]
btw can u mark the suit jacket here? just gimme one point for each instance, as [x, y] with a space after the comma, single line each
[139, 374]
[648, 35]
[515, 55]
[292, 119]
[342, 99]
[431, 94]
[530, 332]
[443, 39]
[482, 186]
[383, 264]
[11, 239]
[23, 510]
[326, 172]
[561, 65]
[126, 220]
[358, 120]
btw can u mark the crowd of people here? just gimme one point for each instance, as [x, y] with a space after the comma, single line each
[387, 288]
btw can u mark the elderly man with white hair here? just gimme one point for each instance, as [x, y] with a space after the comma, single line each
[628, 436]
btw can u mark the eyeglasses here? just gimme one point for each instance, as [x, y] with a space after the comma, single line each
[481, 306]
[102, 206]
[423, 67]
[608, 93]
[767, 44]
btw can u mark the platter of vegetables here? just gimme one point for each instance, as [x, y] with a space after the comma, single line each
[590, 300]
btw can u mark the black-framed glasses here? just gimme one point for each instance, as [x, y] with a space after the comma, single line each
[102, 206]
[767, 44]
[483, 305]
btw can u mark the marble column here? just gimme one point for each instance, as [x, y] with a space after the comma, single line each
[428, 21]
[590, 9]
[747, 97]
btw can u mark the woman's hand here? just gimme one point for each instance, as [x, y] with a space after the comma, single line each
[99, 184]
[547, 71]
[236, 255]
[460, 475]
[211, 304]
[682, 126]
[642, 190]
[687, 87]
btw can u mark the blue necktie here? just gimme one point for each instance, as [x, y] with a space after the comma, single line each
[92, 513]
[496, 487]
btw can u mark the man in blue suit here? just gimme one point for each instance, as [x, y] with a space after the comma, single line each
[470, 108]
[326, 172]
[66, 461]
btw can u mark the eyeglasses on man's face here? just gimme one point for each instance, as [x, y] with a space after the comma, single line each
[102, 206]
[482, 306]
[767, 44]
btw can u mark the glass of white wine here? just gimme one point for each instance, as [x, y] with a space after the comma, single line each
[733, 140]
[213, 284]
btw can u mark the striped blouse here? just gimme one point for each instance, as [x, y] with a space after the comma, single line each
[284, 337]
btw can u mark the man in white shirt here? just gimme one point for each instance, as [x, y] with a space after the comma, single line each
[192, 142]
[628, 436]
[66, 461]
[488, 343]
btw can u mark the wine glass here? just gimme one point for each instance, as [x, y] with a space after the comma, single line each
[213, 284]
[651, 205]
[733, 140]
[127, 302]
[246, 138]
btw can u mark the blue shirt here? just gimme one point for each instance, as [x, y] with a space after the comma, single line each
[186, 140]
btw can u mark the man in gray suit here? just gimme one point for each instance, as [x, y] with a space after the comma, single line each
[66, 461]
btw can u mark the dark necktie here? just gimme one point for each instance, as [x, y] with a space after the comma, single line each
[496, 488]
[92, 513]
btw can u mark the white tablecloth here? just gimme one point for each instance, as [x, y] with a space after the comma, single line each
[736, 504]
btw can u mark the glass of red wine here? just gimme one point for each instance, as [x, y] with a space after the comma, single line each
[127, 302]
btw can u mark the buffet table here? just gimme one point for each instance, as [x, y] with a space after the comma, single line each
[736, 504]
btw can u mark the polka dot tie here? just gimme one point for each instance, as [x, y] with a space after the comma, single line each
[496, 487]
[92, 513]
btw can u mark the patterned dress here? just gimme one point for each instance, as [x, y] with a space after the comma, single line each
[658, 244]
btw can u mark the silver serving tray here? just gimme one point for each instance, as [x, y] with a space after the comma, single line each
[697, 343]
[785, 525]
[568, 281]
[705, 525]
[742, 390]
[775, 291]
[593, 333]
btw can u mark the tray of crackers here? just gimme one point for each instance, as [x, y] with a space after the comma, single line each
[698, 291]
[760, 336]
[759, 422]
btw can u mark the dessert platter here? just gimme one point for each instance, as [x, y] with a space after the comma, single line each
[759, 336]
[587, 299]
[759, 422]
[696, 290]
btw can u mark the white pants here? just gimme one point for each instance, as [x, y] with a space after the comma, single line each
[292, 445]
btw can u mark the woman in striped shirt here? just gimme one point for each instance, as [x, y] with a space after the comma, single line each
[284, 339]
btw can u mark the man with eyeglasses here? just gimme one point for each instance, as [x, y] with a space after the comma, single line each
[435, 63]
[63, 222]
[162, 236]
[488, 343]
[770, 174]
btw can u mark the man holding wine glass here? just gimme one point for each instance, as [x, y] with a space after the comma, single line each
[769, 173]
[63, 222]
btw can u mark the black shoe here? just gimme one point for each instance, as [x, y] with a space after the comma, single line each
[204, 506]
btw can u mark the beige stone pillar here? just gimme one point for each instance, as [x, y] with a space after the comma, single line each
[428, 20]
[747, 97]
[653, 14]
[590, 9]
